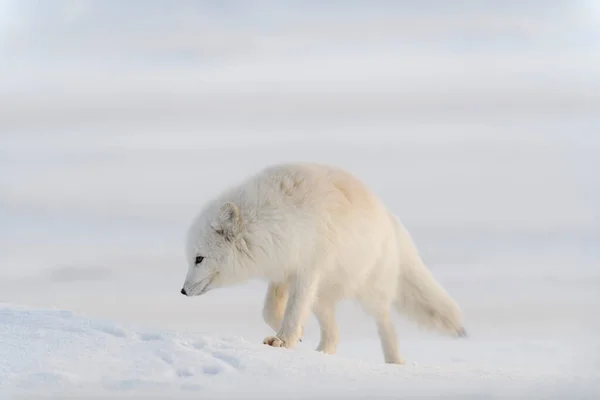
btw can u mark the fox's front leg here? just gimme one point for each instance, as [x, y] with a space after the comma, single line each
[301, 295]
[275, 304]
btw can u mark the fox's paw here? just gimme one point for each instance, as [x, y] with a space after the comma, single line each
[274, 341]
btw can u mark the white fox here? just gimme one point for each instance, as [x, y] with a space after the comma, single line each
[318, 235]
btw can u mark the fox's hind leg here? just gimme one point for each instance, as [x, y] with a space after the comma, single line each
[387, 335]
[377, 299]
[381, 312]
[324, 310]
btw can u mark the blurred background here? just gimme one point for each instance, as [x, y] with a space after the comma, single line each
[478, 122]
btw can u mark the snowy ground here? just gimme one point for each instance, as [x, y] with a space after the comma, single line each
[82, 356]
[490, 157]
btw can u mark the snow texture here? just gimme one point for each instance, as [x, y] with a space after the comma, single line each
[61, 353]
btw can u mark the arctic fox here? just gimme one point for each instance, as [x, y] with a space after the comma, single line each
[317, 235]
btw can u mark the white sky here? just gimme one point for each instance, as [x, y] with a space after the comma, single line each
[101, 28]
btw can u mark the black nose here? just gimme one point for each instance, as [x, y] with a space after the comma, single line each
[183, 292]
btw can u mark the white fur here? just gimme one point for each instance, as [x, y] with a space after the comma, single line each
[318, 235]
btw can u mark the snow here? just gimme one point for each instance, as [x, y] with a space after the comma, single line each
[487, 150]
[58, 351]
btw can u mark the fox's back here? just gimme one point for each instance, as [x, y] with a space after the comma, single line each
[319, 189]
[326, 207]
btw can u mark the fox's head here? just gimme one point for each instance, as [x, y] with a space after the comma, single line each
[216, 250]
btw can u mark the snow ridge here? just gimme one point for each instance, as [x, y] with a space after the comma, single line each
[56, 352]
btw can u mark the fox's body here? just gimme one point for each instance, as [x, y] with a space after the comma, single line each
[318, 235]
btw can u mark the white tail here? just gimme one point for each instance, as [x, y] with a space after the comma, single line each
[419, 295]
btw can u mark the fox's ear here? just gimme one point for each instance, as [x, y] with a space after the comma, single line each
[229, 222]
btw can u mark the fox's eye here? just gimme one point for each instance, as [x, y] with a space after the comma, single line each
[199, 259]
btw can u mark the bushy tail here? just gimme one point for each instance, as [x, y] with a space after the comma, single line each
[419, 295]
